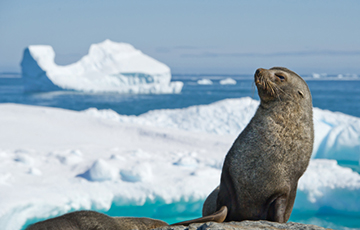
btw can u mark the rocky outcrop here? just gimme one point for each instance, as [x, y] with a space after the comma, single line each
[244, 225]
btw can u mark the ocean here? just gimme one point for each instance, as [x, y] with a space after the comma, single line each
[332, 92]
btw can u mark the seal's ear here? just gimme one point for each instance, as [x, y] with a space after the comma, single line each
[300, 93]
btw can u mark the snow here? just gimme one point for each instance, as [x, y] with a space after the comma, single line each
[100, 171]
[228, 81]
[108, 67]
[337, 135]
[204, 81]
[53, 161]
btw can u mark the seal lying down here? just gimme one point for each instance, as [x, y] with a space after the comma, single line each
[261, 170]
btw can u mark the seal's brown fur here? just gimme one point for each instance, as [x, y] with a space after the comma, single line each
[262, 168]
[90, 220]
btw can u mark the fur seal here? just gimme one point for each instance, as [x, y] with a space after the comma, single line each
[90, 220]
[262, 168]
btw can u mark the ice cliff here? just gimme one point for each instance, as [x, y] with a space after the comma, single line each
[108, 67]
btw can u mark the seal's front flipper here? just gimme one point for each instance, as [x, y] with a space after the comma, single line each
[277, 210]
[218, 217]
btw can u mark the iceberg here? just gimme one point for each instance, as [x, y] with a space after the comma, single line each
[108, 67]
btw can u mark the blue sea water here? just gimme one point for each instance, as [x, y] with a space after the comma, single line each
[334, 95]
[331, 93]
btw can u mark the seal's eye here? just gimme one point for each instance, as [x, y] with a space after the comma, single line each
[281, 77]
[301, 94]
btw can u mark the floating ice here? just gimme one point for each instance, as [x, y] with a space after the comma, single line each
[129, 160]
[337, 135]
[326, 186]
[204, 82]
[109, 67]
[228, 81]
[228, 116]
[319, 75]
[324, 76]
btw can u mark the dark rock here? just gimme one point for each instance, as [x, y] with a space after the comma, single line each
[253, 225]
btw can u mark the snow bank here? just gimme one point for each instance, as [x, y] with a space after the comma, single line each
[53, 161]
[337, 135]
[108, 67]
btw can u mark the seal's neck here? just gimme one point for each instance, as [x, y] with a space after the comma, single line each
[270, 105]
[284, 110]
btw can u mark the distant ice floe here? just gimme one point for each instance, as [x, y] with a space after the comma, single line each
[325, 76]
[319, 75]
[228, 81]
[108, 67]
[53, 161]
[204, 81]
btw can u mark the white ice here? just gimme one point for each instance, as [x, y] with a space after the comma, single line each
[108, 67]
[204, 81]
[228, 81]
[325, 76]
[337, 135]
[53, 160]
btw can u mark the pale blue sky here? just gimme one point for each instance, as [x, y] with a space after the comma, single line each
[192, 36]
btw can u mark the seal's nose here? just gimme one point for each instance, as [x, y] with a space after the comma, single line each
[259, 71]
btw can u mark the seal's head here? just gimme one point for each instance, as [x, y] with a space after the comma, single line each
[280, 84]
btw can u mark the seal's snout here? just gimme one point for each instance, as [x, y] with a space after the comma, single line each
[259, 71]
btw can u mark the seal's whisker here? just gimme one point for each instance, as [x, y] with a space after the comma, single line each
[288, 94]
[271, 87]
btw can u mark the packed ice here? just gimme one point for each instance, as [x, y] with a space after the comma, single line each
[53, 161]
[108, 67]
